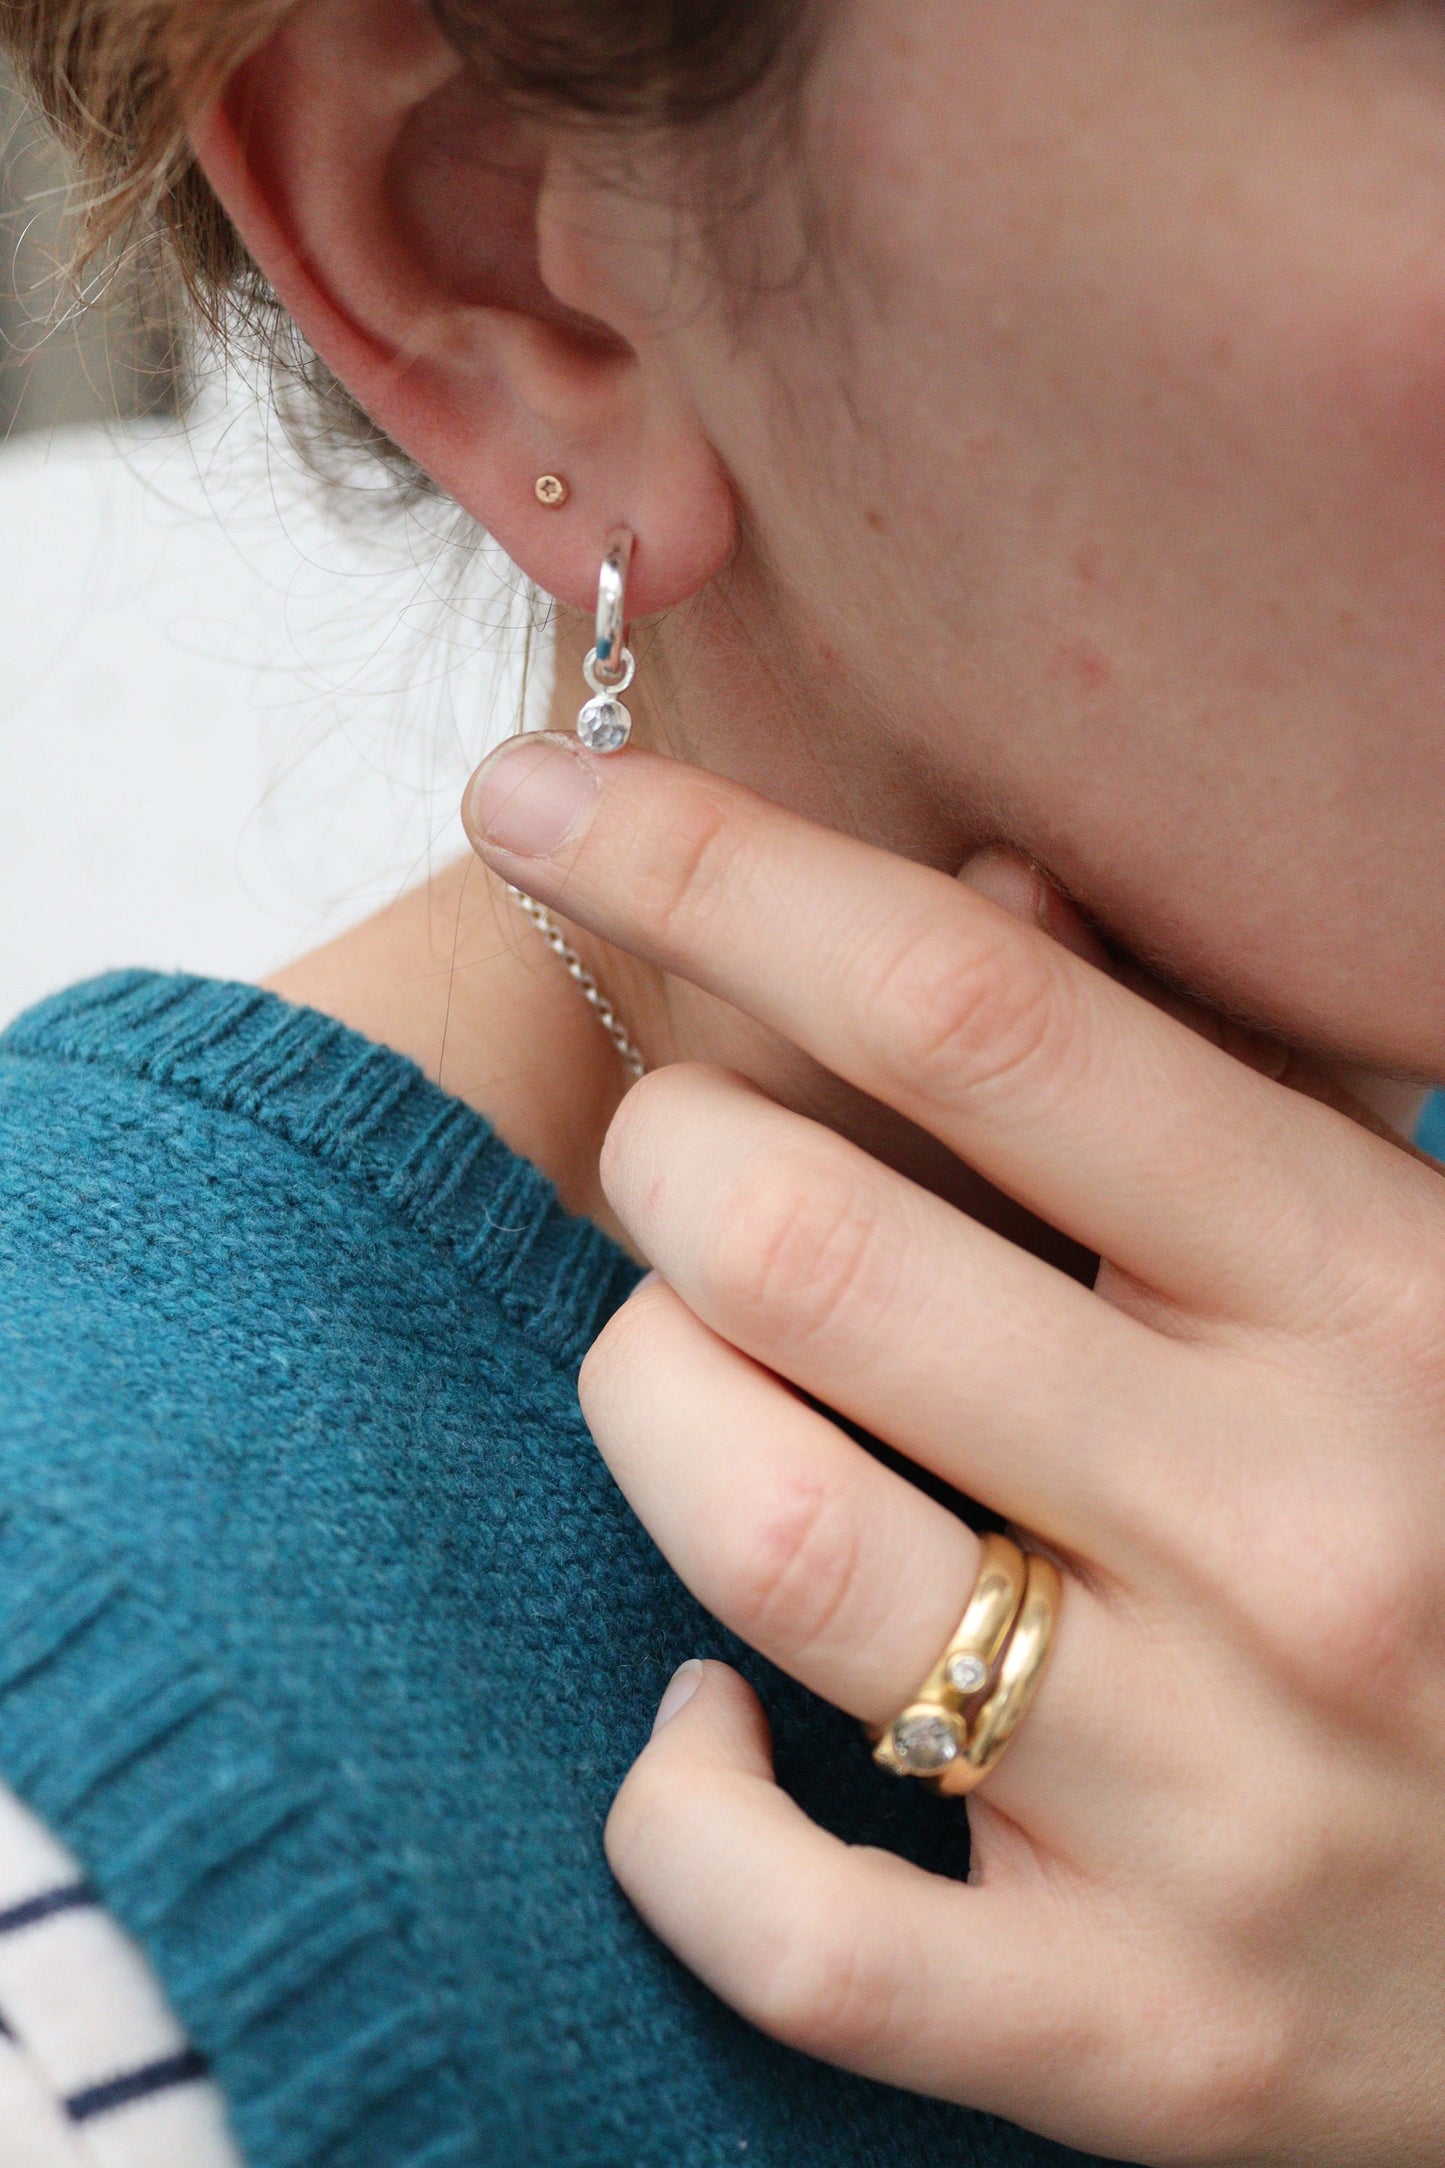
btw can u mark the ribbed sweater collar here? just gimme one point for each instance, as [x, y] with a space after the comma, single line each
[369, 1113]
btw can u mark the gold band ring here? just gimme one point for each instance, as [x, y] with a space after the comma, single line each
[955, 1729]
[1020, 1672]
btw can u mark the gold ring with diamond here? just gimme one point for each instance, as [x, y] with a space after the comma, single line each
[956, 1727]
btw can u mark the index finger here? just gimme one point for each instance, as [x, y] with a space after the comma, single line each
[1209, 1183]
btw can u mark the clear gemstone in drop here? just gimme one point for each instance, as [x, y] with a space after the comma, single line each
[925, 1742]
[966, 1674]
[604, 724]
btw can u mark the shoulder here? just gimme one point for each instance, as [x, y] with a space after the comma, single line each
[195, 1128]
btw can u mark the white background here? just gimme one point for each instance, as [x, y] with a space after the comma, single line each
[235, 714]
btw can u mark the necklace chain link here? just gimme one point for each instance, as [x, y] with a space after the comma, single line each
[591, 992]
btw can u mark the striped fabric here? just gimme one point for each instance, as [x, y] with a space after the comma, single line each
[94, 2070]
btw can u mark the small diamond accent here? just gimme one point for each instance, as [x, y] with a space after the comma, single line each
[966, 1674]
[925, 1743]
[604, 724]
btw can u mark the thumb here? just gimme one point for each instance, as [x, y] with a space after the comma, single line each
[1017, 886]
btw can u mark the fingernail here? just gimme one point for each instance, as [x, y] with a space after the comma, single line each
[1009, 881]
[531, 796]
[1020, 889]
[681, 1687]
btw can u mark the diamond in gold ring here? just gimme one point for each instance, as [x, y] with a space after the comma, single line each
[926, 1741]
[966, 1674]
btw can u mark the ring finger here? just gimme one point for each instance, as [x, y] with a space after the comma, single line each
[842, 1573]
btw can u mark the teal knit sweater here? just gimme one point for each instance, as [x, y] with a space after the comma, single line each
[325, 1639]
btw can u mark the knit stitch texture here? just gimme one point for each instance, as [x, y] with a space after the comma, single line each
[325, 1639]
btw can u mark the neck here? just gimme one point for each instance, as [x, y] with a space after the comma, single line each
[454, 975]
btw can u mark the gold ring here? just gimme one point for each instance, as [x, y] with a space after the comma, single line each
[955, 1729]
[932, 1732]
[1000, 1716]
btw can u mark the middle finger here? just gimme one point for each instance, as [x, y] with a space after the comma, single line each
[973, 1358]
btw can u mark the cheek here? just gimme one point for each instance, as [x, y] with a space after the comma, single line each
[1183, 578]
[1383, 375]
[1180, 629]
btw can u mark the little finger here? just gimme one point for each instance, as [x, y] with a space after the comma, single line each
[1005, 1997]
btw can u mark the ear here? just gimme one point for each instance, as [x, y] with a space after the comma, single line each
[402, 216]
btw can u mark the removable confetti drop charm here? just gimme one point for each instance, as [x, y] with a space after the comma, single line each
[603, 723]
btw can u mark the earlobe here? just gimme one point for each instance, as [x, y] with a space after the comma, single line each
[393, 205]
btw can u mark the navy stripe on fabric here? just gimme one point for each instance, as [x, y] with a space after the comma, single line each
[70, 1897]
[162, 2077]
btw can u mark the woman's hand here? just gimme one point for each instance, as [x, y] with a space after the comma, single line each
[1206, 1920]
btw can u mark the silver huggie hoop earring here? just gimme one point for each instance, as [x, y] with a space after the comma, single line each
[604, 724]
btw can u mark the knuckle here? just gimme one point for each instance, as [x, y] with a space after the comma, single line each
[1204, 2048]
[1363, 1604]
[631, 1125]
[691, 858]
[796, 1563]
[1387, 1291]
[1376, 1278]
[958, 1014]
[1271, 1868]
[1228, 2072]
[829, 1985]
[815, 1973]
[622, 1349]
[645, 1800]
[1372, 1623]
[792, 1243]
[1412, 1321]
[657, 1807]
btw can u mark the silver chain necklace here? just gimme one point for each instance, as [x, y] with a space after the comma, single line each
[604, 725]
[592, 993]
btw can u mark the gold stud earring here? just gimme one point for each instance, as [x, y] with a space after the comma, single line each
[552, 491]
